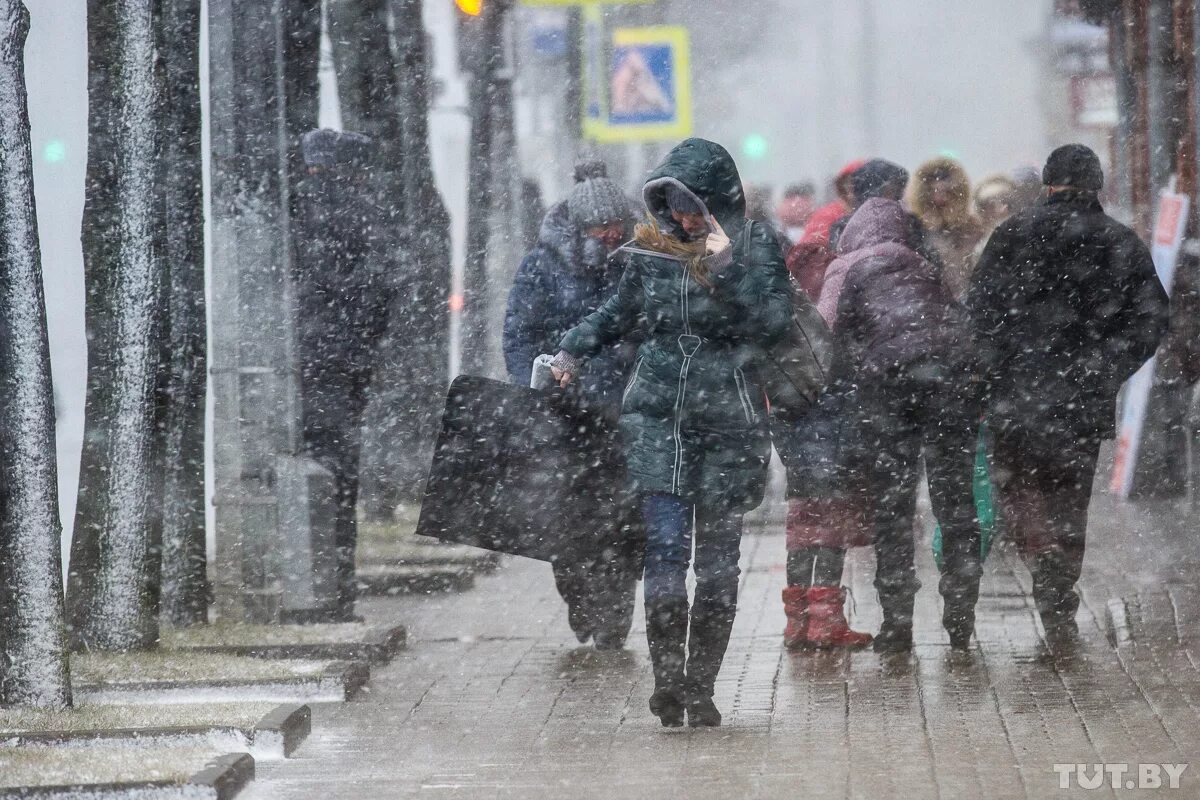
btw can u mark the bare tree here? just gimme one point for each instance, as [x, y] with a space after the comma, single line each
[185, 589]
[113, 584]
[33, 662]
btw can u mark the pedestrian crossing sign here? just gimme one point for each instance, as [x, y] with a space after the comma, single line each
[638, 90]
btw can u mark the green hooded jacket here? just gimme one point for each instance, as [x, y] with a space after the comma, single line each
[694, 412]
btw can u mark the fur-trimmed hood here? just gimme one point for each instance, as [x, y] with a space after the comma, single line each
[957, 216]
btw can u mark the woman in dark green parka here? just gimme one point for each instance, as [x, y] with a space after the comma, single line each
[710, 292]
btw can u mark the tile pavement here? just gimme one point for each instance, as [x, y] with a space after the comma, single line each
[493, 698]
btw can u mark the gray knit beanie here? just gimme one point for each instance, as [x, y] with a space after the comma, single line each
[596, 200]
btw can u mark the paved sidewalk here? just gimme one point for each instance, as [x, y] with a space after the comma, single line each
[493, 698]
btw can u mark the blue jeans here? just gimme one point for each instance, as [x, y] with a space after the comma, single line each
[669, 527]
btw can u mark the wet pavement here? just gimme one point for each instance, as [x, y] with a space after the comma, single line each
[494, 699]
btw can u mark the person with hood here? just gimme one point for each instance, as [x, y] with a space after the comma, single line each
[941, 200]
[809, 258]
[710, 290]
[1065, 306]
[826, 500]
[572, 271]
[343, 257]
[905, 344]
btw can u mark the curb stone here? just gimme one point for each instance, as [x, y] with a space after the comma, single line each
[338, 681]
[276, 735]
[222, 779]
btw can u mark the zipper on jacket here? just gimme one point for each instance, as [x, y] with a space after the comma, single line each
[632, 380]
[688, 345]
[739, 378]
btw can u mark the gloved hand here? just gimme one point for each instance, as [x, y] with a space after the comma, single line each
[718, 240]
[718, 247]
[564, 368]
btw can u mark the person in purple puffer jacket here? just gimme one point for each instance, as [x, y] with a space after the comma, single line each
[905, 342]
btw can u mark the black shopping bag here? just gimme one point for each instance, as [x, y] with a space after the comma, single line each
[524, 472]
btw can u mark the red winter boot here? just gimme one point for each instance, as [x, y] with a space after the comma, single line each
[795, 605]
[827, 626]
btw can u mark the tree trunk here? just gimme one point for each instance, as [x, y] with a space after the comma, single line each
[185, 590]
[33, 663]
[301, 68]
[113, 586]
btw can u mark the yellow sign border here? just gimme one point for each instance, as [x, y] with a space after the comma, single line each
[679, 40]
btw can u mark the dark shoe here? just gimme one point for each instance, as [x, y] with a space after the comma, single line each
[893, 638]
[581, 626]
[702, 712]
[827, 626]
[708, 638]
[668, 707]
[959, 622]
[1060, 628]
[607, 640]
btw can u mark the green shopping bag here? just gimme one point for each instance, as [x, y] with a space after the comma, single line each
[985, 503]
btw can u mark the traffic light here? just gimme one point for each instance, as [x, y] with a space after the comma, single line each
[754, 147]
[471, 8]
[55, 151]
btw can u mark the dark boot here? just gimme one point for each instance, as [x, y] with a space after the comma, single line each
[666, 634]
[712, 622]
[569, 582]
[613, 609]
[1055, 596]
[896, 633]
[959, 584]
[960, 594]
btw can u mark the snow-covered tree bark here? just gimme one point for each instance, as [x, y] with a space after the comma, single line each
[113, 585]
[33, 663]
[185, 591]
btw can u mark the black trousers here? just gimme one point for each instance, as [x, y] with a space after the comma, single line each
[599, 584]
[928, 410]
[333, 405]
[1044, 483]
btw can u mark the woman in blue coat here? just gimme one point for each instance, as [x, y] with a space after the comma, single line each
[571, 272]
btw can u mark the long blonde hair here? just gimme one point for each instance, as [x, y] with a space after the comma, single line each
[649, 235]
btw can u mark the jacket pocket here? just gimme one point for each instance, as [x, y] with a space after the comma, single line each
[743, 391]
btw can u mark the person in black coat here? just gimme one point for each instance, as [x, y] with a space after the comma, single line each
[571, 271]
[342, 257]
[1065, 307]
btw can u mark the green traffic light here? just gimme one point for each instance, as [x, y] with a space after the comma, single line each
[754, 147]
[55, 151]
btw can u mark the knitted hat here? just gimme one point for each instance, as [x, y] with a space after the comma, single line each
[1076, 166]
[354, 150]
[878, 177]
[328, 148]
[681, 200]
[596, 200]
[319, 148]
